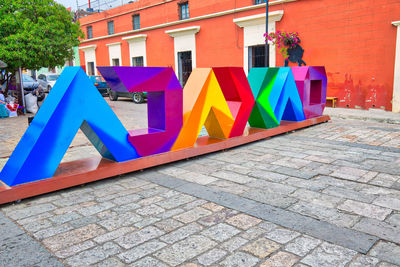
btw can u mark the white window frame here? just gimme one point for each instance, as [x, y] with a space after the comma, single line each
[184, 40]
[137, 47]
[253, 31]
[114, 51]
[90, 55]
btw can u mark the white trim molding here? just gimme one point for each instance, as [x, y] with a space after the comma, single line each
[117, 43]
[83, 48]
[183, 31]
[138, 37]
[137, 47]
[168, 24]
[253, 34]
[396, 82]
[184, 40]
[259, 19]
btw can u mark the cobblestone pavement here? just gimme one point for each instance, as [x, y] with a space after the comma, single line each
[328, 195]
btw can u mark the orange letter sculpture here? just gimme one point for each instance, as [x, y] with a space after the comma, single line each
[203, 104]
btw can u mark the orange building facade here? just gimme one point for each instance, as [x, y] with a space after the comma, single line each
[357, 41]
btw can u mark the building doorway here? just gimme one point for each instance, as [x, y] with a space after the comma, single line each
[184, 66]
[90, 68]
[256, 56]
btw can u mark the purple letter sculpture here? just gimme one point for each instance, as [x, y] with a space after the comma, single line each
[164, 108]
[311, 83]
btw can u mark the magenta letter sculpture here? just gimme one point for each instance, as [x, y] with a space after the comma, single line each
[311, 83]
[164, 108]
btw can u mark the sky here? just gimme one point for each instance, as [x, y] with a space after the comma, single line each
[94, 3]
[71, 3]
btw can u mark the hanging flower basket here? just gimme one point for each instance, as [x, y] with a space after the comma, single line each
[283, 40]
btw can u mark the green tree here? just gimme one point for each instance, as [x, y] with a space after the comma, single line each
[35, 34]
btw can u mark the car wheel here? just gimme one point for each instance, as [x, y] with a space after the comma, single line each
[137, 98]
[48, 88]
[112, 95]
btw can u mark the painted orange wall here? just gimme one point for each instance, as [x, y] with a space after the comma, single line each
[354, 40]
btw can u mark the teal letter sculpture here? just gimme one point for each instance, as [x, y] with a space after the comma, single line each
[276, 97]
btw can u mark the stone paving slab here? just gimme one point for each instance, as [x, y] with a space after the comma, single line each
[17, 248]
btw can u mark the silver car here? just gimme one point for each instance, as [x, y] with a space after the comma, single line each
[47, 81]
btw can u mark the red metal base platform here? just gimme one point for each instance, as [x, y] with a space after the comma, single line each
[83, 171]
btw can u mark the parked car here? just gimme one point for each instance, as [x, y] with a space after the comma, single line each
[29, 83]
[30, 86]
[47, 80]
[137, 97]
[100, 84]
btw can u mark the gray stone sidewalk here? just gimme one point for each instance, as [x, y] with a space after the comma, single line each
[366, 115]
[132, 221]
[327, 195]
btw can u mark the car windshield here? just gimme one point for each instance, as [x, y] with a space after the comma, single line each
[27, 78]
[52, 77]
[99, 79]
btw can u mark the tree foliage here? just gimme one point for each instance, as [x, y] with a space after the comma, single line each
[36, 33]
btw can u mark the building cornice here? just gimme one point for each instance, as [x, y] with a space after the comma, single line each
[258, 19]
[213, 15]
[396, 23]
[135, 38]
[183, 31]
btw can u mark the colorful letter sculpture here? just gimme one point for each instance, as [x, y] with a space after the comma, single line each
[220, 99]
[164, 108]
[276, 97]
[238, 95]
[311, 83]
[73, 103]
[203, 104]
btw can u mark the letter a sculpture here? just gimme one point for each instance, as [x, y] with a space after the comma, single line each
[73, 103]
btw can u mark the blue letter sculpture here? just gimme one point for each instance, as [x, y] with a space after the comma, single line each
[73, 103]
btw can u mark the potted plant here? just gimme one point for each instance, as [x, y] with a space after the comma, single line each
[289, 45]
